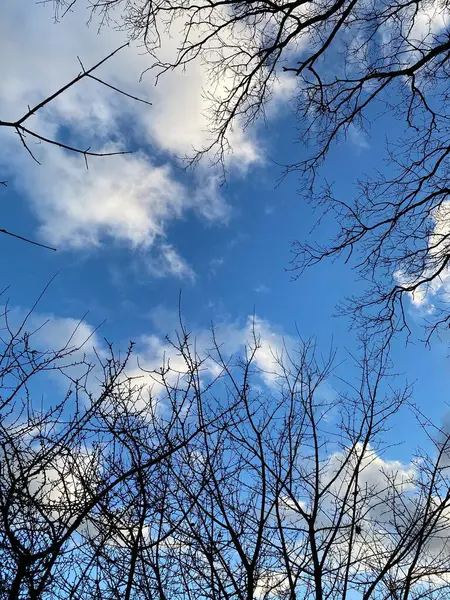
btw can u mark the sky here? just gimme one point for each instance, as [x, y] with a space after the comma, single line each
[133, 232]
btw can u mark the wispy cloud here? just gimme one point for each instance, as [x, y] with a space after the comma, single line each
[168, 262]
[262, 289]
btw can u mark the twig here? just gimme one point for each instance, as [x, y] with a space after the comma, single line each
[67, 86]
[22, 139]
[24, 239]
[120, 91]
[21, 129]
[116, 89]
[86, 152]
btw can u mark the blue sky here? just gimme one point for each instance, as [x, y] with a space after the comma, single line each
[134, 231]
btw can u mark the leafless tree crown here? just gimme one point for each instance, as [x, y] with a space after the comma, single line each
[215, 485]
[352, 62]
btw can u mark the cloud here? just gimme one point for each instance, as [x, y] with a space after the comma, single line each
[418, 27]
[50, 353]
[430, 19]
[234, 339]
[438, 288]
[357, 137]
[391, 500]
[169, 262]
[59, 486]
[215, 264]
[81, 342]
[52, 332]
[127, 199]
[187, 98]
[181, 123]
[124, 197]
[176, 122]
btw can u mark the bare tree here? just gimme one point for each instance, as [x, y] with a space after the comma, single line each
[225, 481]
[353, 62]
[80, 475]
[299, 501]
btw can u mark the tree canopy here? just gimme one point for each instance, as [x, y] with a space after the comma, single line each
[349, 63]
[194, 480]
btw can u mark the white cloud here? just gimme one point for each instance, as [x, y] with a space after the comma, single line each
[61, 484]
[181, 124]
[131, 198]
[390, 500]
[125, 197]
[82, 341]
[51, 332]
[375, 471]
[430, 19]
[357, 137]
[272, 584]
[215, 264]
[185, 96]
[420, 24]
[169, 262]
[234, 339]
[438, 288]
[176, 122]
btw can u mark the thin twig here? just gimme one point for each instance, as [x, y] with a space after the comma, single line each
[121, 91]
[22, 139]
[21, 129]
[66, 147]
[24, 239]
[67, 86]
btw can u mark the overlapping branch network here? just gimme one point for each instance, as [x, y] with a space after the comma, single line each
[352, 62]
[211, 484]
